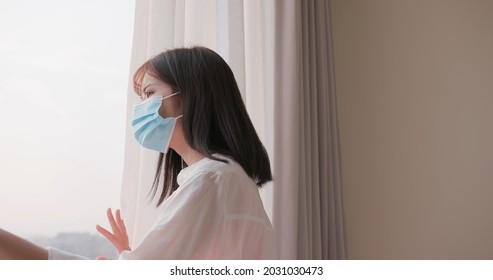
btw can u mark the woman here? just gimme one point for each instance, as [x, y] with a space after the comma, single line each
[211, 159]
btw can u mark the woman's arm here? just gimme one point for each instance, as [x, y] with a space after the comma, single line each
[13, 247]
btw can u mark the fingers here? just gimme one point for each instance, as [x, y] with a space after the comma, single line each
[114, 226]
[106, 234]
[112, 238]
[99, 258]
[122, 227]
[118, 237]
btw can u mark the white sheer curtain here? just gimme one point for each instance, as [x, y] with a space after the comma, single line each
[260, 40]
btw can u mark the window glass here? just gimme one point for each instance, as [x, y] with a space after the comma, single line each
[64, 68]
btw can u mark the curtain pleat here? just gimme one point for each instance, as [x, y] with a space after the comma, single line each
[325, 141]
[306, 57]
[259, 72]
[287, 129]
[337, 222]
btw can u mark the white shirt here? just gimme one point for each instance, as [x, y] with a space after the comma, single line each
[216, 213]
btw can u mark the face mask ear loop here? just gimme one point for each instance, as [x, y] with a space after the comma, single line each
[171, 95]
[174, 95]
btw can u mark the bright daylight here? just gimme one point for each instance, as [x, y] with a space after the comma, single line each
[64, 68]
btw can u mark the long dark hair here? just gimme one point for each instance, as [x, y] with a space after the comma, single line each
[215, 119]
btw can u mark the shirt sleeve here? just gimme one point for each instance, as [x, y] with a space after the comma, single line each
[57, 254]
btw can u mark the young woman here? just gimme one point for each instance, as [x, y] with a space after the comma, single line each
[211, 159]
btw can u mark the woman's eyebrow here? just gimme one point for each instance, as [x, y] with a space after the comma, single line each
[150, 84]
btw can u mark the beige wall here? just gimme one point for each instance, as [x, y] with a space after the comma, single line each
[414, 83]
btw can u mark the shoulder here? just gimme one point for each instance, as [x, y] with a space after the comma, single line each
[216, 172]
[211, 185]
[224, 182]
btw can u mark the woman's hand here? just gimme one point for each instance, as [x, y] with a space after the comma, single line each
[119, 237]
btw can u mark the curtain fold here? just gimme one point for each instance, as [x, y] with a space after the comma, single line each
[259, 74]
[287, 129]
[280, 52]
[308, 197]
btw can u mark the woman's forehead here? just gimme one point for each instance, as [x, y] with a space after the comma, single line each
[150, 79]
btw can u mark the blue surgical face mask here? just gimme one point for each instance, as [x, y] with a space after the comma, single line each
[150, 129]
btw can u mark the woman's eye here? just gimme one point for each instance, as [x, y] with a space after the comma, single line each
[145, 95]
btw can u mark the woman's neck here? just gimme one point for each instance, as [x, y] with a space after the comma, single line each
[180, 145]
[189, 155]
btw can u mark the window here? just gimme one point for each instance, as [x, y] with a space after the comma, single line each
[63, 82]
